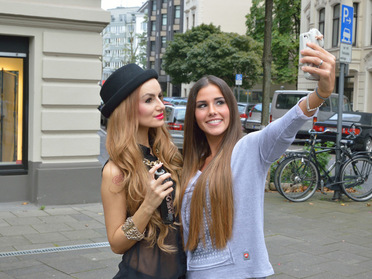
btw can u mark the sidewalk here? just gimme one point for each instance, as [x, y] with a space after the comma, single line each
[315, 239]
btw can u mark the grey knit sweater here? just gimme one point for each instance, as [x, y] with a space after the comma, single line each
[245, 255]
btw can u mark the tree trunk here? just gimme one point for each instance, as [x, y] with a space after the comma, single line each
[267, 58]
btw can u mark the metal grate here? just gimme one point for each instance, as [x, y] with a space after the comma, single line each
[54, 249]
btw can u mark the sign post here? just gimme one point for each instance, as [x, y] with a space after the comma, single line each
[238, 82]
[346, 39]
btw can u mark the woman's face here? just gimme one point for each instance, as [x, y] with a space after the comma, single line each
[212, 113]
[150, 107]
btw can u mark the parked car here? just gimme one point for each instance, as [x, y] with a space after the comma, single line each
[284, 100]
[178, 101]
[253, 121]
[174, 119]
[244, 109]
[358, 123]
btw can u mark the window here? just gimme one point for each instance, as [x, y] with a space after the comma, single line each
[164, 19]
[163, 42]
[13, 104]
[153, 25]
[177, 11]
[152, 46]
[355, 22]
[321, 20]
[193, 20]
[336, 25]
[154, 5]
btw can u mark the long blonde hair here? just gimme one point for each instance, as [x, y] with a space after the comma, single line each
[122, 147]
[216, 176]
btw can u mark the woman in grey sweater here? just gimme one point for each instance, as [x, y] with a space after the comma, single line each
[224, 175]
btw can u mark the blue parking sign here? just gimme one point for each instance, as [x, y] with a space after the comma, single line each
[347, 15]
[238, 79]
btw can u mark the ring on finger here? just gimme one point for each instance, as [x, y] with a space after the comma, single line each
[320, 64]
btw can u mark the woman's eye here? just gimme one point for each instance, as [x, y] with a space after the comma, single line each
[201, 106]
[148, 100]
[221, 102]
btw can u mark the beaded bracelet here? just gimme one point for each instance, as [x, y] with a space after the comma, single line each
[130, 230]
[307, 104]
[320, 97]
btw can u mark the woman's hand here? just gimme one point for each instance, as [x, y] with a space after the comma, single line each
[156, 190]
[326, 67]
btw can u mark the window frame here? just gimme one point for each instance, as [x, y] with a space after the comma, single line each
[18, 47]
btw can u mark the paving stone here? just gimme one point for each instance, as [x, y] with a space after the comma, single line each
[16, 230]
[58, 219]
[72, 265]
[48, 228]
[81, 234]
[18, 221]
[12, 240]
[46, 237]
[61, 210]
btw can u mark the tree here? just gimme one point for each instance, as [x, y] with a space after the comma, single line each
[205, 49]
[135, 52]
[267, 59]
[285, 36]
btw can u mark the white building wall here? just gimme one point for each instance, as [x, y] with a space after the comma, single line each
[63, 85]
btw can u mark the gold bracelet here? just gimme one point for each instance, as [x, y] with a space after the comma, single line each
[130, 230]
[307, 104]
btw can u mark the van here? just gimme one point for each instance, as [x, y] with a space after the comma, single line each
[284, 100]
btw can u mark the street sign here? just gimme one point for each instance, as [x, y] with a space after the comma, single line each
[347, 15]
[345, 53]
[238, 79]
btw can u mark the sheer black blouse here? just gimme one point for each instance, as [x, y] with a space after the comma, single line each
[145, 262]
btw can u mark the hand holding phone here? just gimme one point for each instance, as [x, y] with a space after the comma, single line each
[313, 36]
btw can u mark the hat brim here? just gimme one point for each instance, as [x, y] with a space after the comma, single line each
[126, 90]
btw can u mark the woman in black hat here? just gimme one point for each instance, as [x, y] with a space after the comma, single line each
[139, 145]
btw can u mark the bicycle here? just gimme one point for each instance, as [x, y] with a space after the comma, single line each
[299, 175]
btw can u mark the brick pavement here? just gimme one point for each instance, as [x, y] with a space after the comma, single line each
[319, 238]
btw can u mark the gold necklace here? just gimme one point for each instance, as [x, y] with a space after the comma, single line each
[149, 163]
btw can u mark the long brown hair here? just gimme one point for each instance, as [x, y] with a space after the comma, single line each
[217, 175]
[122, 147]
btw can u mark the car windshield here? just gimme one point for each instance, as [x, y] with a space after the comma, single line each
[347, 117]
[241, 109]
[346, 106]
[179, 115]
[287, 101]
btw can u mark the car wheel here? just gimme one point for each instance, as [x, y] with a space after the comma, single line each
[368, 144]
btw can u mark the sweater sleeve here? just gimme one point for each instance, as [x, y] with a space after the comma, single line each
[275, 138]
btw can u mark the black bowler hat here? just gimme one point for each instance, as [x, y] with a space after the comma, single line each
[120, 84]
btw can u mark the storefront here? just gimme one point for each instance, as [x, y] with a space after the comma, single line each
[50, 68]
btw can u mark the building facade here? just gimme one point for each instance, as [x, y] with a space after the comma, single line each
[165, 18]
[124, 39]
[229, 15]
[50, 62]
[325, 15]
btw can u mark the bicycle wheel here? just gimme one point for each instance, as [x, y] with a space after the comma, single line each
[298, 179]
[356, 183]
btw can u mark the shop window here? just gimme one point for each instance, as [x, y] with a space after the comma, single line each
[13, 104]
